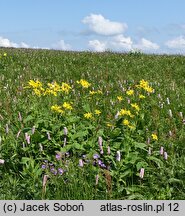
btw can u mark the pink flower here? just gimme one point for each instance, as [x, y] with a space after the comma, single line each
[141, 174]
[165, 155]
[161, 150]
[2, 161]
[81, 163]
[118, 156]
[27, 137]
[100, 141]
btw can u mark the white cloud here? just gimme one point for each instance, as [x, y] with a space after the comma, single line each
[24, 45]
[176, 43]
[4, 42]
[98, 24]
[97, 46]
[61, 45]
[121, 42]
[146, 45]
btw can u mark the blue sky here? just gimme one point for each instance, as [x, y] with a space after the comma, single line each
[98, 25]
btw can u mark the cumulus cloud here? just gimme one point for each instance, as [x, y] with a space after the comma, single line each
[61, 45]
[4, 42]
[176, 43]
[146, 45]
[97, 46]
[121, 42]
[99, 25]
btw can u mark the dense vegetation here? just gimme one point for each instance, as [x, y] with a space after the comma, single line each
[82, 125]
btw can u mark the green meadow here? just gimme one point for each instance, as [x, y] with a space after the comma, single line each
[91, 126]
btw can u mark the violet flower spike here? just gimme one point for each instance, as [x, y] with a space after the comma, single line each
[141, 174]
[81, 163]
[161, 150]
[18, 134]
[100, 141]
[165, 155]
[27, 137]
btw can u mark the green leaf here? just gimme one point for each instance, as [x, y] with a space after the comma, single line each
[156, 160]
[141, 164]
[140, 146]
[28, 118]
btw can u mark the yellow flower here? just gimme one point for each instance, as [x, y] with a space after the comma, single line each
[131, 127]
[130, 92]
[99, 92]
[67, 106]
[110, 125]
[5, 54]
[141, 96]
[134, 105]
[145, 85]
[148, 89]
[57, 108]
[37, 92]
[88, 115]
[65, 87]
[120, 98]
[84, 83]
[154, 137]
[125, 112]
[35, 84]
[126, 122]
[97, 112]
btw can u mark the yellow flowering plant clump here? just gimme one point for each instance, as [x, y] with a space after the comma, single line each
[88, 115]
[135, 106]
[145, 85]
[154, 136]
[97, 112]
[57, 109]
[65, 87]
[120, 98]
[67, 106]
[84, 83]
[130, 92]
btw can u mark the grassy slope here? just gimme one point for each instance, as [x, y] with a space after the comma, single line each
[103, 68]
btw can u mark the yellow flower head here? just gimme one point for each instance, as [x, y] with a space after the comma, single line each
[57, 108]
[135, 106]
[120, 98]
[126, 122]
[154, 137]
[67, 106]
[97, 112]
[35, 84]
[65, 87]
[5, 54]
[88, 115]
[130, 92]
[84, 83]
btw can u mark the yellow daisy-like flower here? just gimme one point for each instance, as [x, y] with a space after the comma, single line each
[84, 83]
[5, 54]
[88, 115]
[92, 92]
[57, 108]
[67, 106]
[135, 106]
[154, 137]
[123, 112]
[97, 112]
[130, 92]
[35, 84]
[126, 122]
[120, 98]
[65, 87]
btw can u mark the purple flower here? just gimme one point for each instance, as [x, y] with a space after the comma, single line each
[103, 165]
[165, 155]
[43, 166]
[27, 137]
[96, 156]
[81, 163]
[58, 156]
[53, 170]
[60, 171]
[100, 141]
[141, 174]
[161, 150]
[108, 150]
